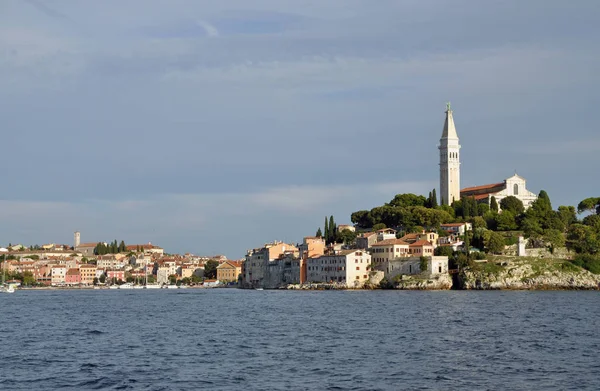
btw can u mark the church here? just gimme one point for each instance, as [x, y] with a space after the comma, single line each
[450, 174]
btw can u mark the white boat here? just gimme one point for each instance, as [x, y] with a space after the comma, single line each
[152, 286]
[113, 287]
[172, 287]
[127, 285]
[259, 289]
[4, 288]
[138, 287]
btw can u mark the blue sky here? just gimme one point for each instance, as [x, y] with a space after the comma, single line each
[214, 127]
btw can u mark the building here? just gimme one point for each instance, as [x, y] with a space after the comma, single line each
[229, 271]
[349, 227]
[76, 239]
[58, 275]
[436, 265]
[385, 234]
[431, 237]
[350, 267]
[311, 246]
[449, 161]
[86, 249]
[72, 277]
[421, 248]
[113, 276]
[456, 228]
[513, 186]
[366, 239]
[146, 248]
[88, 273]
[389, 249]
[260, 263]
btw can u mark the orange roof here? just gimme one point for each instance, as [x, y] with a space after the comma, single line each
[390, 242]
[483, 187]
[421, 243]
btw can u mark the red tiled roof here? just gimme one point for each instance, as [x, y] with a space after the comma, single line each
[482, 187]
[421, 243]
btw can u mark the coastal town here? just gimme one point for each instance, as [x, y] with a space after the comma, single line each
[409, 242]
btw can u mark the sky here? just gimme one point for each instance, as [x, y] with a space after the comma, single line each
[215, 127]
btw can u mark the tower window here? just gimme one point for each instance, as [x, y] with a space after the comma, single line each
[516, 189]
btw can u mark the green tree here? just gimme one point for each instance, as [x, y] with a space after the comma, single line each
[332, 231]
[362, 218]
[122, 247]
[591, 204]
[319, 234]
[326, 229]
[434, 202]
[512, 204]
[210, 269]
[554, 238]
[408, 199]
[102, 278]
[494, 205]
[95, 281]
[379, 226]
[173, 279]
[28, 278]
[567, 214]
[443, 251]
[495, 243]
[505, 221]
[423, 263]
[346, 236]
[583, 239]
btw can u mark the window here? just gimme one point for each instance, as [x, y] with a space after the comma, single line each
[358, 268]
[516, 189]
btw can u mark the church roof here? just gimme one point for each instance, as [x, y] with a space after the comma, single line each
[449, 128]
[489, 187]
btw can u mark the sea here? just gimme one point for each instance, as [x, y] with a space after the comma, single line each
[231, 339]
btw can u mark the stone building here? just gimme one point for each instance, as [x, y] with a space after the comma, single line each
[436, 265]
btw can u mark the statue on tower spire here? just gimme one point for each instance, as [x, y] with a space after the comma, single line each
[448, 106]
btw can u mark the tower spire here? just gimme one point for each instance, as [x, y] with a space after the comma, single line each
[449, 128]
[449, 161]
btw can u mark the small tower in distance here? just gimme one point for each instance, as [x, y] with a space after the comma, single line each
[76, 239]
[449, 161]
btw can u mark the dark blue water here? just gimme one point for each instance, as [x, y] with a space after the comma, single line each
[227, 339]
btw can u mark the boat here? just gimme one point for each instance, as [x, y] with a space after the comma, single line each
[113, 287]
[127, 285]
[172, 287]
[259, 289]
[6, 288]
[152, 286]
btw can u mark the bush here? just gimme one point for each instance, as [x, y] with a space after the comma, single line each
[386, 284]
[423, 264]
[588, 262]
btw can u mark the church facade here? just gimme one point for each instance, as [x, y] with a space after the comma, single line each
[450, 174]
[514, 186]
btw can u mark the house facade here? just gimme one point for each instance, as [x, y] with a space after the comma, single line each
[350, 267]
[514, 186]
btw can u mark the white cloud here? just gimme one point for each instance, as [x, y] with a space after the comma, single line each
[211, 30]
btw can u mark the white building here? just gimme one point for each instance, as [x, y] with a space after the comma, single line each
[350, 267]
[513, 186]
[58, 274]
[449, 161]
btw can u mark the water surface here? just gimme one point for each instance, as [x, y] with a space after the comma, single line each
[228, 339]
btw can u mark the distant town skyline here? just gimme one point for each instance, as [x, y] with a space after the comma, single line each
[214, 127]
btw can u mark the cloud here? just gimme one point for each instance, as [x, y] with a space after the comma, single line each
[211, 30]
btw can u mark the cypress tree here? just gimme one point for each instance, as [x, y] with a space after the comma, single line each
[332, 230]
[466, 209]
[428, 204]
[319, 234]
[434, 203]
[494, 205]
[326, 230]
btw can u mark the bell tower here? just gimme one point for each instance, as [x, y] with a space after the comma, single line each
[449, 161]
